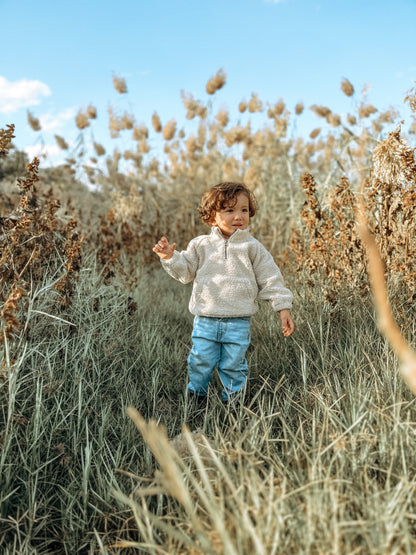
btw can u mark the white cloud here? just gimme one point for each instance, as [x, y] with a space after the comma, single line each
[51, 123]
[51, 152]
[21, 94]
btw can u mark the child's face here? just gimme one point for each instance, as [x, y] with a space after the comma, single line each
[231, 218]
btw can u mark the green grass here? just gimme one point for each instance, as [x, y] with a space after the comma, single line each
[326, 435]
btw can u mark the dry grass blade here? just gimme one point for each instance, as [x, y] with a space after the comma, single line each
[156, 438]
[386, 322]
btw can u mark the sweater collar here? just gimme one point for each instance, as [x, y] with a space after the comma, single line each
[238, 235]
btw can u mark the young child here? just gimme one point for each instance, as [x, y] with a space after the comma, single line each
[230, 270]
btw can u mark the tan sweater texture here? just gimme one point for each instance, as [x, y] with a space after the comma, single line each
[229, 275]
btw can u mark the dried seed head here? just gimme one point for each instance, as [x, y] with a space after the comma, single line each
[321, 111]
[140, 132]
[394, 161]
[91, 112]
[119, 84]
[216, 82]
[143, 146]
[315, 132]
[99, 149]
[279, 107]
[191, 145]
[347, 87]
[352, 120]
[299, 108]
[366, 110]
[223, 118]
[255, 104]
[33, 122]
[6, 137]
[81, 120]
[334, 119]
[61, 142]
[242, 107]
[202, 134]
[127, 121]
[157, 126]
[251, 177]
[169, 130]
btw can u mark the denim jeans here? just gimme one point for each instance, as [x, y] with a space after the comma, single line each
[222, 342]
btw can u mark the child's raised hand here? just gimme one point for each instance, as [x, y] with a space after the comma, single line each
[287, 323]
[163, 249]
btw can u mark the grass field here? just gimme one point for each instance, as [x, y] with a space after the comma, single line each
[94, 456]
[321, 456]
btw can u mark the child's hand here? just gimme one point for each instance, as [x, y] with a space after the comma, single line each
[163, 249]
[287, 322]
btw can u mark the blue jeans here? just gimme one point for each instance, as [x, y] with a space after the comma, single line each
[222, 342]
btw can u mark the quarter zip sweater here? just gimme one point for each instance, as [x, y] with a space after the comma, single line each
[229, 275]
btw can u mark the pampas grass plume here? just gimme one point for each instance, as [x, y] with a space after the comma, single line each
[169, 130]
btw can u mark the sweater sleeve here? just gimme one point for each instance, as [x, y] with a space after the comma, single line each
[270, 280]
[183, 265]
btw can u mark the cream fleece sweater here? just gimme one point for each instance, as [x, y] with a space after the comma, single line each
[229, 275]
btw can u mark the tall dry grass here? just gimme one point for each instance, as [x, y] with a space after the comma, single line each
[320, 457]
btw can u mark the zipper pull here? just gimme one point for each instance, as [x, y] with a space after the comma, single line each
[226, 249]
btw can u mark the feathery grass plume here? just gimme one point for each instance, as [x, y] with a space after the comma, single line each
[202, 134]
[191, 145]
[33, 122]
[81, 120]
[202, 111]
[394, 161]
[366, 110]
[91, 112]
[242, 107]
[6, 136]
[99, 149]
[223, 118]
[216, 82]
[119, 84]
[157, 125]
[333, 119]
[347, 87]
[237, 134]
[127, 121]
[190, 104]
[61, 142]
[169, 130]
[143, 146]
[252, 176]
[114, 124]
[279, 107]
[140, 132]
[315, 132]
[352, 120]
[255, 104]
[321, 111]
[299, 108]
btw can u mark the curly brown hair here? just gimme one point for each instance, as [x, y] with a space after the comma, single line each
[224, 195]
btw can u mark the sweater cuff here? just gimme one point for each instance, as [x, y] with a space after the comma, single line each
[171, 260]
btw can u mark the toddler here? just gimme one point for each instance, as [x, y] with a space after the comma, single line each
[230, 270]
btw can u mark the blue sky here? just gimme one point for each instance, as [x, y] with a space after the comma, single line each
[57, 57]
